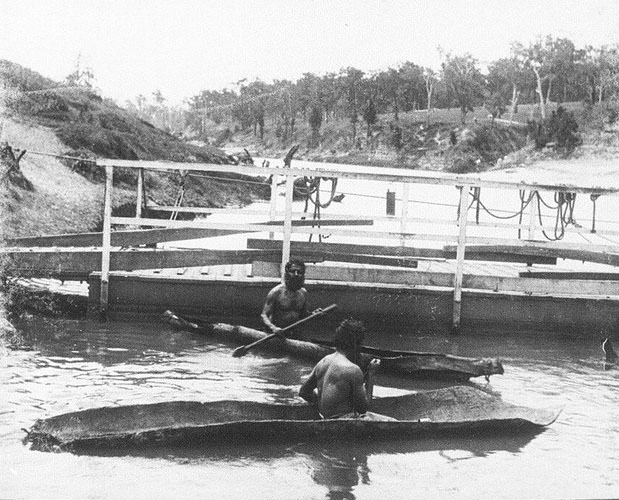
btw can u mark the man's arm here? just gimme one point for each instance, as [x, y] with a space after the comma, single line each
[268, 309]
[369, 378]
[308, 389]
[304, 313]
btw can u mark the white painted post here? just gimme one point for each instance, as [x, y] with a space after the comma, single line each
[107, 242]
[140, 196]
[457, 302]
[533, 215]
[287, 223]
[273, 206]
[404, 212]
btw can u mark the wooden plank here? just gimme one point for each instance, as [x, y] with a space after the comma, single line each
[80, 263]
[273, 202]
[140, 194]
[106, 242]
[378, 260]
[462, 220]
[590, 253]
[570, 275]
[498, 284]
[287, 223]
[404, 211]
[398, 251]
[394, 175]
[122, 238]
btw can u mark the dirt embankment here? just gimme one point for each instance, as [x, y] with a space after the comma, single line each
[65, 196]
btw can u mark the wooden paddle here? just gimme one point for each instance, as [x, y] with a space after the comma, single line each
[244, 349]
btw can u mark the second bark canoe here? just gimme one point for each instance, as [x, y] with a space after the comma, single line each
[421, 365]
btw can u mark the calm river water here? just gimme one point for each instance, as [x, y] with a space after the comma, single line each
[51, 367]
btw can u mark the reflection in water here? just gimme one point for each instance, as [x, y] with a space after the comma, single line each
[340, 473]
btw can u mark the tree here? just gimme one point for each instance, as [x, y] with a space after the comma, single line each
[82, 76]
[389, 86]
[412, 84]
[370, 115]
[464, 81]
[284, 105]
[315, 121]
[351, 79]
[608, 64]
[549, 60]
[507, 79]
[429, 78]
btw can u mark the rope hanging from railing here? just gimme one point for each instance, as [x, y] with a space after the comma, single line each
[564, 215]
[309, 188]
[180, 196]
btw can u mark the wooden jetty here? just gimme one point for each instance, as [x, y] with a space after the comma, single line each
[464, 272]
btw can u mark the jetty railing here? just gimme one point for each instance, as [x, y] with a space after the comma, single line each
[465, 183]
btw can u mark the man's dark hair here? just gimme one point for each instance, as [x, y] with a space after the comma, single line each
[349, 334]
[295, 262]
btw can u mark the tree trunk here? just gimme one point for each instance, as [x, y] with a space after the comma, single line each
[463, 115]
[540, 93]
[548, 90]
[429, 89]
[514, 104]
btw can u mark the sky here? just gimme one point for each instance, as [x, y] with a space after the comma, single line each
[181, 47]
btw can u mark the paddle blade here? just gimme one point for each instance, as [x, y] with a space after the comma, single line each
[239, 352]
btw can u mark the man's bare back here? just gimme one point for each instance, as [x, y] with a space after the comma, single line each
[339, 385]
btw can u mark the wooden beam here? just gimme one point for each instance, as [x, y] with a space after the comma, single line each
[570, 275]
[126, 238]
[287, 222]
[462, 219]
[106, 242]
[443, 280]
[398, 251]
[395, 175]
[78, 264]
[123, 238]
[591, 253]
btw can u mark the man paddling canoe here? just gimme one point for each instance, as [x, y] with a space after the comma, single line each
[286, 303]
[336, 384]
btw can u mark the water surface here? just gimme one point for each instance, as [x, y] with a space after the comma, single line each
[52, 367]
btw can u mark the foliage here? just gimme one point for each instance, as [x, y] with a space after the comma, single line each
[82, 76]
[315, 121]
[370, 115]
[481, 146]
[464, 81]
[562, 129]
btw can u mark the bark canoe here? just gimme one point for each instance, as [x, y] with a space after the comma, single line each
[455, 411]
[419, 365]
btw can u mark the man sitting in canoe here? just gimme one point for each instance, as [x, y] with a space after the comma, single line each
[336, 384]
[286, 303]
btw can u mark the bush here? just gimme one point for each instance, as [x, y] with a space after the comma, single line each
[563, 129]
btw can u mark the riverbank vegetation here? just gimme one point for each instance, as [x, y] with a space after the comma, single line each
[406, 115]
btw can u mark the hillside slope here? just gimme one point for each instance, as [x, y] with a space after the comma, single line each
[39, 115]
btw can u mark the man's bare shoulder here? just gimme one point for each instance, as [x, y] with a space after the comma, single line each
[276, 290]
[337, 362]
